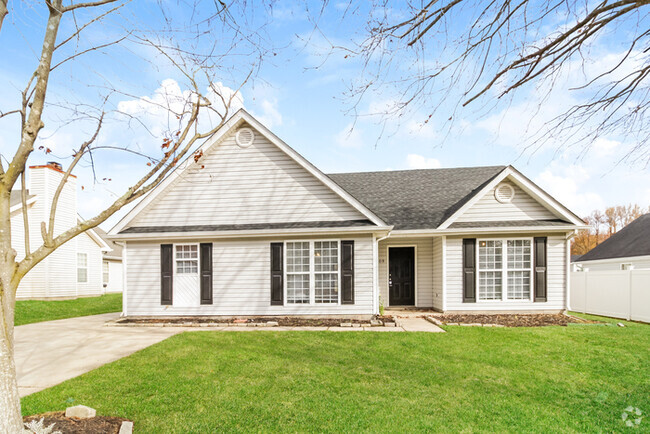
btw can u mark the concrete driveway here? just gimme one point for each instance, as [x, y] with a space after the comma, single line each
[51, 352]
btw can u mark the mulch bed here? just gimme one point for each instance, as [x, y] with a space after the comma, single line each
[282, 321]
[510, 320]
[94, 425]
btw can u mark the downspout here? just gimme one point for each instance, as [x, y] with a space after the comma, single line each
[568, 238]
[375, 261]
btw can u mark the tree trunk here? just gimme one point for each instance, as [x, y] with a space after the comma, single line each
[3, 11]
[10, 416]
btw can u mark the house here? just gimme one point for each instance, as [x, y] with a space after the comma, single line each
[72, 270]
[627, 249]
[250, 227]
[112, 276]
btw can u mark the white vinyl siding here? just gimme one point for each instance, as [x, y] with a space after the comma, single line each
[257, 184]
[94, 285]
[115, 277]
[639, 263]
[241, 281]
[424, 268]
[522, 207]
[556, 278]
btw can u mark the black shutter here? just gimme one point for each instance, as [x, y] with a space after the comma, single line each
[166, 273]
[469, 270]
[347, 272]
[540, 269]
[206, 273]
[277, 274]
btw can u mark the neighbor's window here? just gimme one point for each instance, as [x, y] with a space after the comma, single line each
[312, 269]
[82, 267]
[504, 263]
[187, 258]
[105, 271]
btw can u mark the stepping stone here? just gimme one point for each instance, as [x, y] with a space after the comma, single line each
[80, 412]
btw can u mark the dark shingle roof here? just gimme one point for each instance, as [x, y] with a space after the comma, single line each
[247, 227]
[509, 223]
[14, 198]
[416, 199]
[632, 240]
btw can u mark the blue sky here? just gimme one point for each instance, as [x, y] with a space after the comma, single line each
[300, 94]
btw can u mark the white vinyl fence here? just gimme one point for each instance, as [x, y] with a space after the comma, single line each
[618, 294]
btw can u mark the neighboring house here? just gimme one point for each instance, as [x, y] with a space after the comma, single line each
[253, 228]
[112, 276]
[627, 249]
[75, 268]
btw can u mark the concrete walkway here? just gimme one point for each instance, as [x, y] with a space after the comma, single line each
[51, 352]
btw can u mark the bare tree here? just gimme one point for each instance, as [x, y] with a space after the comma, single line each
[443, 56]
[200, 50]
[604, 225]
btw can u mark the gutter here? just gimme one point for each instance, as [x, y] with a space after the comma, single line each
[265, 233]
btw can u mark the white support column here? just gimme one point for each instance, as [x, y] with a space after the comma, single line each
[444, 273]
[375, 275]
[124, 280]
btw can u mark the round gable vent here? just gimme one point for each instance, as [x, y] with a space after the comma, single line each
[244, 137]
[504, 193]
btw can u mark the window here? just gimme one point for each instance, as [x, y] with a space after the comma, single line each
[312, 271]
[105, 271]
[82, 267]
[490, 276]
[326, 267]
[519, 269]
[298, 272]
[187, 259]
[511, 266]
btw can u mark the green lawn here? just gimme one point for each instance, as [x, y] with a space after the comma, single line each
[31, 311]
[563, 379]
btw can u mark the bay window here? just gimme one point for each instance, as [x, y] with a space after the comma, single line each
[312, 272]
[504, 269]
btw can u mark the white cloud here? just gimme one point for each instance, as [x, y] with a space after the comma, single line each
[567, 184]
[270, 115]
[350, 137]
[158, 113]
[603, 147]
[415, 161]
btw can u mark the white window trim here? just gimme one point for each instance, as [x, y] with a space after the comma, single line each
[504, 270]
[311, 273]
[198, 259]
[106, 275]
[79, 267]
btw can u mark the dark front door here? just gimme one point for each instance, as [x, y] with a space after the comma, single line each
[401, 276]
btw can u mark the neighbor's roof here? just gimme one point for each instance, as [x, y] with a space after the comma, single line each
[14, 198]
[632, 240]
[416, 199]
[116, 253]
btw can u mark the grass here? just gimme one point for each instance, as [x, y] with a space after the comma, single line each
[31, 311]
[561, 379]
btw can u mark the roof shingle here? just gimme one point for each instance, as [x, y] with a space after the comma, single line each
[416, 199]
[632, 240]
